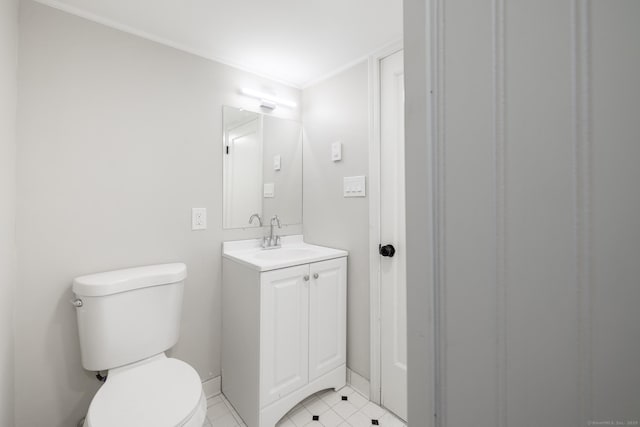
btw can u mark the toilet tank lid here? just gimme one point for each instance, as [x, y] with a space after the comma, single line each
[113, 282]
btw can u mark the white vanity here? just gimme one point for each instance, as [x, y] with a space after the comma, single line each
[283, 325]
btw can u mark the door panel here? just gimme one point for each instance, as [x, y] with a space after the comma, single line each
[284, 323]
[327, 316]
[243, 173]
[392, 231]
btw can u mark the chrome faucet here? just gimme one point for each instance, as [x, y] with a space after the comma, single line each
[272, 242]
[255, 215]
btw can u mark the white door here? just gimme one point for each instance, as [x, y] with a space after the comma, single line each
[327, 316]
[284, 332]
[243, 174]
[393, 291]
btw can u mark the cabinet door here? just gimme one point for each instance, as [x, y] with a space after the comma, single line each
[327, 316]
[284, 323]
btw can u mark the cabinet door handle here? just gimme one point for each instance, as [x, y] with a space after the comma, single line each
[306, 277]
[315, 275]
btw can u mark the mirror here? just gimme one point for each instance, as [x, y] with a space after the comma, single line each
[262, 167]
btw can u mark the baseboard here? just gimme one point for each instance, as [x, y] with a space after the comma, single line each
[211, 387]
[358, 383]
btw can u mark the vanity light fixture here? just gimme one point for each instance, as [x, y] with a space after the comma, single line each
[266, 100]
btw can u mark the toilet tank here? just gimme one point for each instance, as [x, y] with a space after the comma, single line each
[125, 316]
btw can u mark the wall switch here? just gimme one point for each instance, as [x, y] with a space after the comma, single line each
[269, 190]
[336, 151]
[355, 186]
[276, 162]
[199, 218]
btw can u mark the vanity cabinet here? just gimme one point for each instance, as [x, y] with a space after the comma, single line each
[284, 336]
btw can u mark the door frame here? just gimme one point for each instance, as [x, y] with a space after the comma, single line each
[375, 369]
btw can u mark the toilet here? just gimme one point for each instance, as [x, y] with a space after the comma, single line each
[127, 319]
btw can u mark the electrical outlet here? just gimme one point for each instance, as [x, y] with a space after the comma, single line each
[199, 218]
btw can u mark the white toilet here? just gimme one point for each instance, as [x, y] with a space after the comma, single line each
[127, 319]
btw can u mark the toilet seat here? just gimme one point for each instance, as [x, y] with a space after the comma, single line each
[161, 392]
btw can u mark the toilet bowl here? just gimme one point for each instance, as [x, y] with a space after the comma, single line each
[160, 391]
[127, 319]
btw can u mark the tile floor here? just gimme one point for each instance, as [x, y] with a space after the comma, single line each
[343, 408]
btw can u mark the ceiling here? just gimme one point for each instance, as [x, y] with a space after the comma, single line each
[296, 42]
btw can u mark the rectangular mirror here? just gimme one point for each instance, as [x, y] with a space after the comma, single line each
[262, 167]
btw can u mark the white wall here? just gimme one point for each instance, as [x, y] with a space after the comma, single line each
[537, 210]
[337, 110]
[8, 85]
[119, 138]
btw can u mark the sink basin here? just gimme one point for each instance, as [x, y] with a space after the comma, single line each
[294, 251]
[285, 253]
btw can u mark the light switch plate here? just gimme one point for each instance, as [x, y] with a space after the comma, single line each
[336, 151]
[276, 162]
[355, 186]
[269, 190]
[199, 218]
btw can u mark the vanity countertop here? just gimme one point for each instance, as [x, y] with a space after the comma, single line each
[294, 251]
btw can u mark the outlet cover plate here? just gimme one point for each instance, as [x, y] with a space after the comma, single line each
[199, 218]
